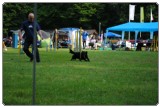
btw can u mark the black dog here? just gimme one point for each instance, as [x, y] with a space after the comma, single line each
[81, 56]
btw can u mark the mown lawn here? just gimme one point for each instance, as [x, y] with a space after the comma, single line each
[110, 78]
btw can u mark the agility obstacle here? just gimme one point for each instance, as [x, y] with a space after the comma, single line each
[78, 41]
[154, 45]
[20, 48]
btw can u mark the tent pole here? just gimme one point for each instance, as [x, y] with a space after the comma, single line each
[123, 33]
[129, 37]
[140, 34]
[105, 39]
[99, 28]
[151, 35]
[136, 34]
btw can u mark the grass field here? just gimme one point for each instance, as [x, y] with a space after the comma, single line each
[110, 78]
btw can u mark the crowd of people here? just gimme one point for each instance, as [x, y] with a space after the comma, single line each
[92, 41]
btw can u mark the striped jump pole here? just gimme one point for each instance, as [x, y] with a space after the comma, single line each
[80, 41]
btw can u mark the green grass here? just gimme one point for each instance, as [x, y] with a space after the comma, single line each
[110, 78]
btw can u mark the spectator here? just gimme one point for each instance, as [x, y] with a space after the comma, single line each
[92, 42]
[84, 37]
[4, 46]
[10, 40]
[117, 45]
[98, 43]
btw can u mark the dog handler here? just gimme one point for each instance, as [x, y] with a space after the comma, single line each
[28, 27]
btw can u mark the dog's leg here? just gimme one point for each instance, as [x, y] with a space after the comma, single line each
[84, 57]
[87, 58]
[80, 58]
[72, 58]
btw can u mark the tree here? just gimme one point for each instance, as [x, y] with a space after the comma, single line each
[85, 15]
[14, 14]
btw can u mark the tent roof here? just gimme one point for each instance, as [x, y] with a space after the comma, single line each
[45, 34]
[111, 34]
[136, 26]
[91, 31]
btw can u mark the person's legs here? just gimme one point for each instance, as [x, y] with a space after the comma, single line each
[37, 55]
[26, 49]
[96, 45]
[84, 44]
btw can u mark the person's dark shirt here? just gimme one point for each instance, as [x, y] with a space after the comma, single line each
[28, 27]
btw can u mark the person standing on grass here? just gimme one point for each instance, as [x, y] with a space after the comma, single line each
[84, 37]
[28, 27]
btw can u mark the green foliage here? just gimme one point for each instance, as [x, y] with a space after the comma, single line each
[110, 78]
[14, 14]
[85, 15]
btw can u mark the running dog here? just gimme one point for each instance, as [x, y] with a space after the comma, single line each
[81, 56]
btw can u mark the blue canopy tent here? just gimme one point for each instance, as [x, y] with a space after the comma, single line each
[112, 35]
[135, 27]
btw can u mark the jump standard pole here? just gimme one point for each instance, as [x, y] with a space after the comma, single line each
[80, 40]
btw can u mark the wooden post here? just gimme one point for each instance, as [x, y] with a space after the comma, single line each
[56, 36]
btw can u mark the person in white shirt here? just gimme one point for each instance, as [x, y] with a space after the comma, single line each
[92, 42]
[98, 43]
[119, 43]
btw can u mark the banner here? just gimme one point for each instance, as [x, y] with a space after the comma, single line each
[151, 19]
[142, 14]
[131, 12]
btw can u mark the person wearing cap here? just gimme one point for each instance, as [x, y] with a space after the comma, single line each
[28, 27]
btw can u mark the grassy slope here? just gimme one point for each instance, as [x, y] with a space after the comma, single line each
[111, 78]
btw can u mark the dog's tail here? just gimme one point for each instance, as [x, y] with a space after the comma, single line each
[72, 52]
